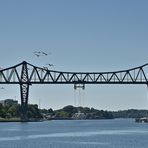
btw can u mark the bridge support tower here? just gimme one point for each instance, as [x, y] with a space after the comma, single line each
[24, 91]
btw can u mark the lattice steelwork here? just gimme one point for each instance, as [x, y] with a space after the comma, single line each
[24, 88]
[37, 75]
[26, 74]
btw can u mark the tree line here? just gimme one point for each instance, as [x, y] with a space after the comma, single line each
[67, 112]
[14, 111]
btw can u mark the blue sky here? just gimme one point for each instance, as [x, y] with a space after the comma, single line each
[82, 35]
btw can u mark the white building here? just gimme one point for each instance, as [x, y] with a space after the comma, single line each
[79, 115]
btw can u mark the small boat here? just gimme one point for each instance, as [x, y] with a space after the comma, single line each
[142, 120]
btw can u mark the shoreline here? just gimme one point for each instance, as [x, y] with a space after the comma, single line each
[42, 120]
[19, 120]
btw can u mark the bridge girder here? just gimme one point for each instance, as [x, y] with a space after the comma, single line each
[37, 75]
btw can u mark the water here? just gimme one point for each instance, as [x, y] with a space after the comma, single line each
[118, 133]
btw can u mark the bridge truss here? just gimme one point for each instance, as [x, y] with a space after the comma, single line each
[26, 74]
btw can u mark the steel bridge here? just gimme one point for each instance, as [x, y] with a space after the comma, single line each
[26, 74]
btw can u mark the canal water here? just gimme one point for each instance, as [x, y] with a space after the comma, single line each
[117, 133]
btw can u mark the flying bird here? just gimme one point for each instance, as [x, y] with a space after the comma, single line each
[50, 64]
[40, 53]
[44, 53]
[36, 54]
[45, 68]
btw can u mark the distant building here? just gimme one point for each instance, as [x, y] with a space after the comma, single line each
[79, 115]
[8, 102]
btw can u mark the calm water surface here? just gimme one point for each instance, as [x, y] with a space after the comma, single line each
[118, 133]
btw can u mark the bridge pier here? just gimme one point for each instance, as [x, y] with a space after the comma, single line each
[24, 90]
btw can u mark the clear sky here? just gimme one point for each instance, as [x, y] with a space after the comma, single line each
[82, 35]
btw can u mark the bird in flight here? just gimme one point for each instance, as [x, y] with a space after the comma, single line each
[44, 53]
[50, 64]
[41, 53]
[45, 68]
[37, 55]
